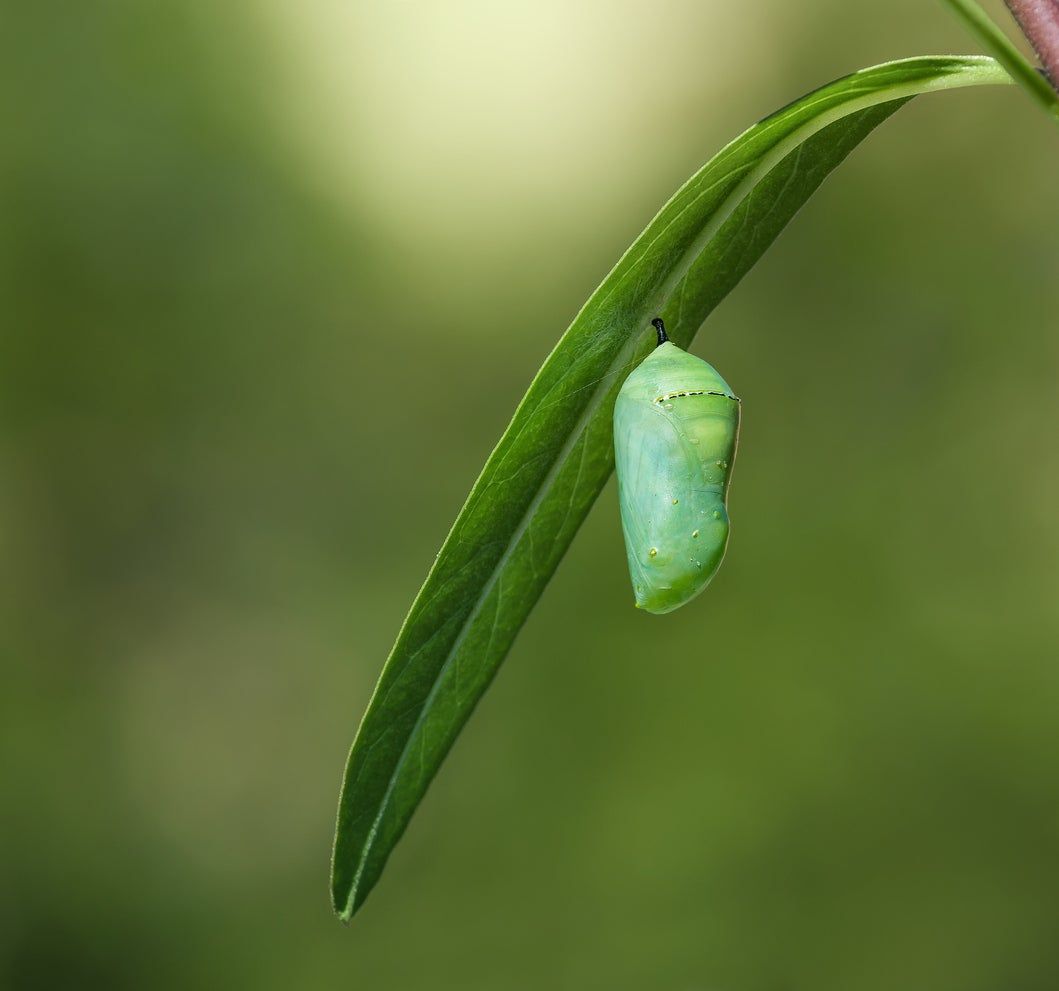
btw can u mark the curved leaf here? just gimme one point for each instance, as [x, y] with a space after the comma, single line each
[556, 454]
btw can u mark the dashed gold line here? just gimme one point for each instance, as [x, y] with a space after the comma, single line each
[679, 395]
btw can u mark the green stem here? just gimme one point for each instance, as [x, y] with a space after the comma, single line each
[1001, 46]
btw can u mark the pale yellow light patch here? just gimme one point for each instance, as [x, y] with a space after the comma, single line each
[463, 126]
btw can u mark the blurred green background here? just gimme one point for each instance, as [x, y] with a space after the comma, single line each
[231, 230]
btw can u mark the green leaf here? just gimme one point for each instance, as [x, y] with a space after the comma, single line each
[1007, 54]
[543, 476]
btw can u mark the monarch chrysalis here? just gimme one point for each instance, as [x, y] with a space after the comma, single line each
[676, 424]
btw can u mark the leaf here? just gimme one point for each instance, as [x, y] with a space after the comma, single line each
[1007, 54]
[543, 476]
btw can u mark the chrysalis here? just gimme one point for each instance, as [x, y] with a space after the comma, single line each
[676, 424]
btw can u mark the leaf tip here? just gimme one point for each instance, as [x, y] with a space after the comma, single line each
[343, 903]
[343, 888]
[347, 893]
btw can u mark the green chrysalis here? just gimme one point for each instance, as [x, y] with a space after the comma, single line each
[676, 424]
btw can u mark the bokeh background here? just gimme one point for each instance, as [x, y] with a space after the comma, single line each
[232, 231]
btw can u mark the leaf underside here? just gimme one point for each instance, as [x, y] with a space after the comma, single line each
[556, 454]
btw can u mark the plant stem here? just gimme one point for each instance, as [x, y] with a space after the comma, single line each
[1005, 51]
[1039, 20]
